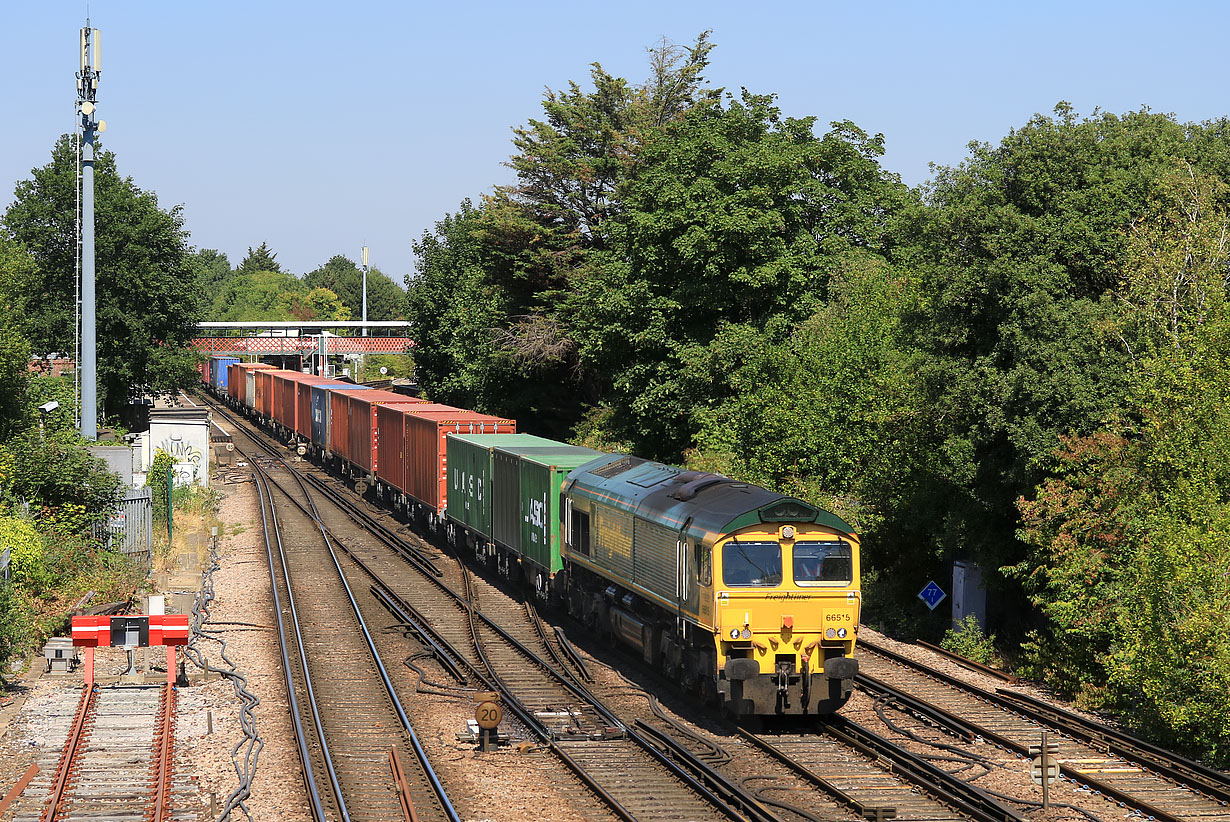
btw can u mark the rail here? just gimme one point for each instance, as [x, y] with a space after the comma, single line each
[66, 768]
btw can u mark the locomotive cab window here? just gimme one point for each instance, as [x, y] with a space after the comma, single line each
[752, 564]
[823, 563]
[704, 563]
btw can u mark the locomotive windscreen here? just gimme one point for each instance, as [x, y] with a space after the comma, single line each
[821, 562]
[752, 564]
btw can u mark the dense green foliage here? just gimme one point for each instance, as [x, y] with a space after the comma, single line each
[1024, 363]
[51, 488]
[396, 366]
[1130, 531]
[147, 297]
[159, 480]
[966, 638]
[342, 277]
[258, 289]
[16, 275]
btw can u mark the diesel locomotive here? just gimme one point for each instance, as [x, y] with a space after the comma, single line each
[744, 596]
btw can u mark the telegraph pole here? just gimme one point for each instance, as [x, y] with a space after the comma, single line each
[87, 91]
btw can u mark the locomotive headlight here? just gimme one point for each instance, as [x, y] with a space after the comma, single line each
[841, 633]
[788, 532]
[734, 633]
[830, 633]
[747, 633]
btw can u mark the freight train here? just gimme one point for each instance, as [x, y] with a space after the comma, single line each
[744, 596]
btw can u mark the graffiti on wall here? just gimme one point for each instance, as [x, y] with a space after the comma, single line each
[187, 457]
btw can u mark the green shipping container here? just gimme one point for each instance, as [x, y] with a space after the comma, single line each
[529, 522]
[469, 461]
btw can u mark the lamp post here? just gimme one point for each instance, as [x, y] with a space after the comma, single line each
[364, 291]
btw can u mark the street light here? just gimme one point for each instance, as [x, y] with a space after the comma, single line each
[364, 291]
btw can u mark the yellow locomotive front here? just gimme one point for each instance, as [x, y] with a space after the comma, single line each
[786, 612]
[742, 594]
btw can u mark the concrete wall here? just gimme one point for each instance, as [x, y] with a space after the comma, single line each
[119, 459]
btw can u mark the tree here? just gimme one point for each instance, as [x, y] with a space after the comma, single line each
[570, 163]
[325, 305]
[147, 295]
[345, 279]
[259, 295]
[1129, 534]
[213, 270]
[452, 310]
[262, 259]
[734, 216]
[1019, 249]
[17, 271]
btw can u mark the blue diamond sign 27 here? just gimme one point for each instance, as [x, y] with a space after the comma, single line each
[932, 595]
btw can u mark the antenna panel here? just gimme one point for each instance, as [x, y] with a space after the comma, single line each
[97, 50]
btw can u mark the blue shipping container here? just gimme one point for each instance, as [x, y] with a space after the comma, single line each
[320, 409]
[218, 368]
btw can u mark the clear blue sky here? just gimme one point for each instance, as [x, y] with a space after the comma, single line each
[323, 127]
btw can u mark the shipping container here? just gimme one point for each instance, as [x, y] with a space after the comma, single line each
[240, 380]
[220, 372]
[203, 368]
[471, 473]
[263, 383]
[283, 408]
[265, 390]
[426, 452]
[391, 444]
[542, 472]
[303, 401]
[321, 407]
[352, 426]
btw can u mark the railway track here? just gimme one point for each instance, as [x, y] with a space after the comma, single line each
[829, 769]
[469, 622]
[628, 773]
[351, 731]
[1154, 782]
[117, 762]
[465, 639]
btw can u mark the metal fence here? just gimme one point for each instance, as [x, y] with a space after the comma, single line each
[130, 529]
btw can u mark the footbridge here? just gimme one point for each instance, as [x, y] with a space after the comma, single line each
[302, 338]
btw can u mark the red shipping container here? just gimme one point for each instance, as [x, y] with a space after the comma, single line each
[391, 440]
[286, 397]
[202, 368]
[425, 455]
[356, 412]
[299, 394]
[237, 379]
[263, 403]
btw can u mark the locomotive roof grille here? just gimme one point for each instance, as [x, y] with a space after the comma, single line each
[614, 469]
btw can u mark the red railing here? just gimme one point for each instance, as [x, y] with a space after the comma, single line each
[239, 346]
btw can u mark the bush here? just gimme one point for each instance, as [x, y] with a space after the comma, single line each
[156, 480]
[27, 561]
[969, 641]
[67, 488]
[15, 628]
